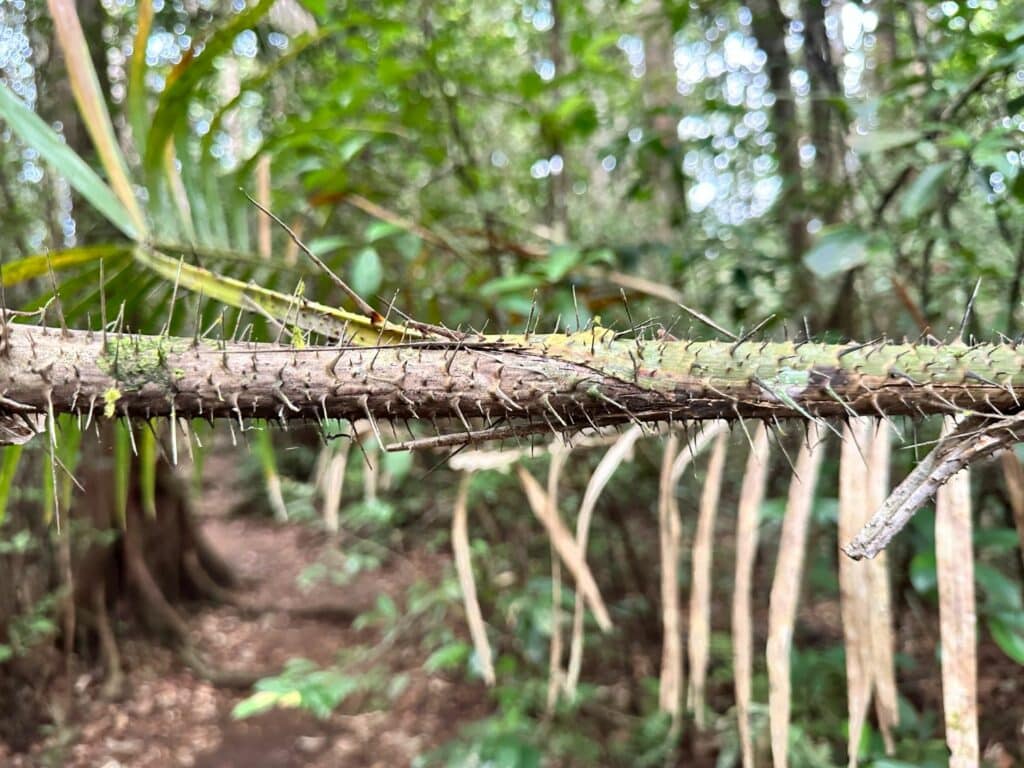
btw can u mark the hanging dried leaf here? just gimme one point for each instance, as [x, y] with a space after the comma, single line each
[786, 589]
[854, 580]
[464, 569]
[333, 482]
[671, 682]
[674, 464]
[883, 666]
[954, 563]
[565, 546]
[559, 454]
[751, 495]
[700, 590]
[620, 451]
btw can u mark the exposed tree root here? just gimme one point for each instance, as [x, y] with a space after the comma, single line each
[113, 686]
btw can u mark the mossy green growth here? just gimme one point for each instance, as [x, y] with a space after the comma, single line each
[138, 360]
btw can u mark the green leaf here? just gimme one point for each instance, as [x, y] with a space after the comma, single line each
[92, 106]
[8, 467]
[513, 284]
[448, 657]
[924, 191]
[366, 272]
[560, 261]
[923, 575]
[38, 135]
[172, 109]
[138, 116]
[1007, 629]
[258, 703]
[36, 265]
[879, 141]
[316, 7]
[837, 250]
[322, 246]
[1001, 592]
[377, 230]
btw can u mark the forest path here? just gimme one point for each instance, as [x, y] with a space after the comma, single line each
[172, 718]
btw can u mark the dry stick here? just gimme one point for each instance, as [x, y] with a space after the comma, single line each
[566, 548]
[464, 569]
[671, 682]
[358, 300]
[853, 582]
[559, 454]
[954, 563]
[615, 456]
[782, 604]
[751, 495]
[333, 483]
[700, 590]
[670, 530]
[883, 665]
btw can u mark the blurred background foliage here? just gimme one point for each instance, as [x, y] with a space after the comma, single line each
[852, 167]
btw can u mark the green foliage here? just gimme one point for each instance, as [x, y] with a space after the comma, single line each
[301, 685]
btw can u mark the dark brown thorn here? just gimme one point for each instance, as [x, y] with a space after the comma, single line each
[708, 322]
[779, 433]
[967, 311]
[365, 308]
[745, 336]
[629, 317]
[56, 296]
[174, 298]
[383, 325]
[529, 318]
[743, 425]
[576, 306]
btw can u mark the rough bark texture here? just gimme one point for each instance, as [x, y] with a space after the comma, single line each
[497, 386]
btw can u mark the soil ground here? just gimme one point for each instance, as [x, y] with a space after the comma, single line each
[170, 717]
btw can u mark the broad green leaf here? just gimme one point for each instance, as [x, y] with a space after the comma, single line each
[301, 312]
[138, 113]
[513, 284]
[8, 467]
[33, 131]
[561, 260]
[123, 442]
[922, 573]
[1007, 629]
[316, 7]
[377, 230]
[172, 108]
[322, 246]
[92, 106]
[879, 141]
[837, 250]
[924, 191]
[259, 702]
[366, 272]
[448, 657]
[147, 467]
[38, 265]
[1001, 592]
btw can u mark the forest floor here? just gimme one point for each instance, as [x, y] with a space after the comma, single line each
[171, 717]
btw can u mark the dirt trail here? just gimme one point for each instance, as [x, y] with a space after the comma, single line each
[171, 718]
